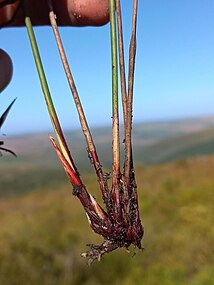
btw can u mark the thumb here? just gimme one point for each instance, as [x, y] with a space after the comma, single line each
[6, 69]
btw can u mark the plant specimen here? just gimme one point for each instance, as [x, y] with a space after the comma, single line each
[2, 120]
[119, 223]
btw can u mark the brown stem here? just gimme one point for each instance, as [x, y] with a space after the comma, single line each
[132, 53]
[124, 193]
[122, 62]
[135, 223]
[89, 140]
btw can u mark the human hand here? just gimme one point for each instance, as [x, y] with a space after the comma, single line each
[6, 69]
[69, 13]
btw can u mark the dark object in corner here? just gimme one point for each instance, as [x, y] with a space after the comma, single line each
[2, 120]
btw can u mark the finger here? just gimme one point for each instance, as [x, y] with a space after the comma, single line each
[69, 12]
[6, 69]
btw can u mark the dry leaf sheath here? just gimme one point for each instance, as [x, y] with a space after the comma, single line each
[119, 223]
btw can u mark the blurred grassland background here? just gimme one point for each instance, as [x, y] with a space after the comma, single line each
[43, 228]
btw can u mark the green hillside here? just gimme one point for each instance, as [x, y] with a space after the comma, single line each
[181, 146]
[44, 228]
[153, 143]
[43, 233]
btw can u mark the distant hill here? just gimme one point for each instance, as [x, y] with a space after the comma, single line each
[178, 145]
[153, 143]
[37, 165]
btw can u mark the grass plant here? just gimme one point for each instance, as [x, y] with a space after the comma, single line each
[119, 223]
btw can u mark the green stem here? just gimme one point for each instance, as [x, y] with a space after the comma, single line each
[115, 115]
[46, 92]
[115, 194]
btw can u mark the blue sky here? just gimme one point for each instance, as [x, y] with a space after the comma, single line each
[174, 68]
